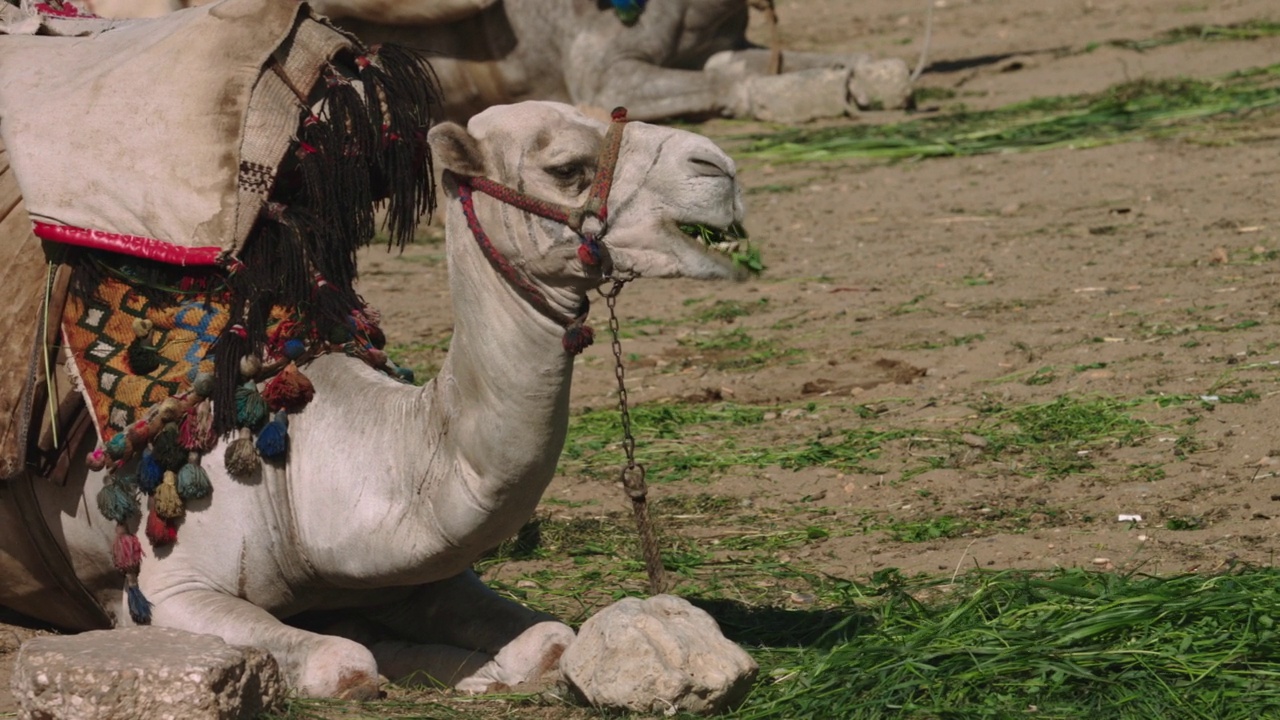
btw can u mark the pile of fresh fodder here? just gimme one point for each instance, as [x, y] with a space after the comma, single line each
[1068, 644]
[1143, 109]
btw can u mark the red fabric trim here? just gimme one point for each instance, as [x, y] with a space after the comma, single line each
[143, 247]
[66, 11]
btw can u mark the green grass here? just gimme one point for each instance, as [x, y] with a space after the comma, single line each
[1248, 30]
[1134, 110]
[1064, 645]
[736, 350]
[1070, 644]
[675, 441]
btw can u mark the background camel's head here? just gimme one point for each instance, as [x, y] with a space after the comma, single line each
[665, 180]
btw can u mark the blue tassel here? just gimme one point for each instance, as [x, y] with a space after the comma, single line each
[150, 473]
[139, 605]
[273, 439]
[628, 10]
[294, 348]
[405, 374]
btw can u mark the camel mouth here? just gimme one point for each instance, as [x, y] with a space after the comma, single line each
[731, 241]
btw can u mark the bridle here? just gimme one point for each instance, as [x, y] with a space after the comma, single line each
[578, 336]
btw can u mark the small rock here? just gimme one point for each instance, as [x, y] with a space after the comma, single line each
[881, 84]
[140, 673]
[976, 441]
[660, 655]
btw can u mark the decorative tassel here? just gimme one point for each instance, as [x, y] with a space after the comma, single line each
[411, 91]
[160, 532]
[139, 605]
[203, 385]
[405, 373]
[289, 390]
[115, 502]
[251, 409]
[273, 439]
[126, 552]
[193, 481]
[293, 348]
[375, 357]
[96, 459]
[167, 448]
[139, 433]
[232, 345]
[589, 251]
[241, 459]
[250, 367]
[142, 356]
[168, 504]
[150, 472]
[196, 432]
[119, 447]
[578, 336]
[629, 11]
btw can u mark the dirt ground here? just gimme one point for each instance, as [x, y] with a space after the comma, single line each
[927, 289]
[918, 296]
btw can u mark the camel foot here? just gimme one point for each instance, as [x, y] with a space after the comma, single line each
[532, 657]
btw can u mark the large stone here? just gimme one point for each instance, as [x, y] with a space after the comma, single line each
[657, 655]
[799, 96]
[144, 673]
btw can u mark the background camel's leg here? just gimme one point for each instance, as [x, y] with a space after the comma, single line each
[650, 92]
[883, 84]
[315, 665]
[755, 61]
[518, 644]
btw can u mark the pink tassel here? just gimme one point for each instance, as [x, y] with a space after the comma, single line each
[126, 553]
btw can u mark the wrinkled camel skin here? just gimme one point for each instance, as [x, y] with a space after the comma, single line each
[391, 491]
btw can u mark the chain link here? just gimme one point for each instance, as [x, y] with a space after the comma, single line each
[632, 475]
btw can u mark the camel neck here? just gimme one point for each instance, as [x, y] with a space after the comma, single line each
[504, 385]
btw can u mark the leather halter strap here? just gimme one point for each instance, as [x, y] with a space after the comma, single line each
[578, 335]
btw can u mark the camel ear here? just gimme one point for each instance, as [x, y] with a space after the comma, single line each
[456, 150]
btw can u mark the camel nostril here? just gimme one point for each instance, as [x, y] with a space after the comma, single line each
[709, 165]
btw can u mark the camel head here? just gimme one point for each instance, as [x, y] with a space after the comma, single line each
[674, 207]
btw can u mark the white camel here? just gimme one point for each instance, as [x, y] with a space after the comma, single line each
[391, 492]
[681, 58]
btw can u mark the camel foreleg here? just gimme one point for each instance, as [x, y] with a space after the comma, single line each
[314, 665]
[460, 632]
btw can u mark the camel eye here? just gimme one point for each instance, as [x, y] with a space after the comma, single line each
[566, 172]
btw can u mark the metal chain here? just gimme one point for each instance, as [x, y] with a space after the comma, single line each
[633, 473]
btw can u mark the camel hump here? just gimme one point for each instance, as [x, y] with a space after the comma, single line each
[402, 12]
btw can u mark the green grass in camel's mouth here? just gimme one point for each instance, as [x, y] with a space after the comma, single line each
[731, 241]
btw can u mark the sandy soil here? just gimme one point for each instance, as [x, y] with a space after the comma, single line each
[919, 295]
